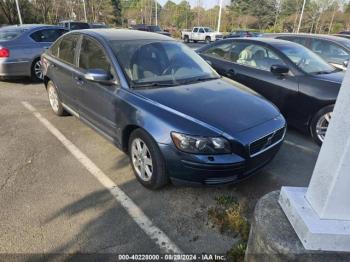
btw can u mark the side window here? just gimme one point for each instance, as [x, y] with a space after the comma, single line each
[195, 30]
[47, 35]
[92, 56]
[67, 48]
[256, 56]
[220, 51]
[298, 40]
[54, 49]
[201, 30]
[328, 49]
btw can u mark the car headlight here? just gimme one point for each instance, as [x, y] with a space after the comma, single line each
[201, 145]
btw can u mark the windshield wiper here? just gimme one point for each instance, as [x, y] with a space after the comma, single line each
[199, 79]
[153, 84]
[325, 72]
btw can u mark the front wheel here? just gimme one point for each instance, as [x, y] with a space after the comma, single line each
[207, 40]
[320, 123]
[146, 160]
[186, 39]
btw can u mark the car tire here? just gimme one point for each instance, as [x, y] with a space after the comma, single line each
[207, 40]
[36, 71]
[320, 122]
[186, 39]
[146, 160]
[54, 99]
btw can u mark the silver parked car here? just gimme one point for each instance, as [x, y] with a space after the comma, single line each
[21, 47]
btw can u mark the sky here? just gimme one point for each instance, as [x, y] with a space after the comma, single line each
[204, 3]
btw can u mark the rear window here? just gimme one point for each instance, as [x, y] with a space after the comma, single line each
[77, 26]
[66, 49]
[6, 35]
[47, 35]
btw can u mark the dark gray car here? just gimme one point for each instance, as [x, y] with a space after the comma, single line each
[335, 50]
[21, 47]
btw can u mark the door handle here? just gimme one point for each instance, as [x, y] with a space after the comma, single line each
[230, 73]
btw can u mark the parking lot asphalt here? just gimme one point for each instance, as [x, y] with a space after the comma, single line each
[51, 203]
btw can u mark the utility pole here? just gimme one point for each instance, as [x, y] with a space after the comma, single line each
[301, 16]
[156, 12]
[19, 13]
[84, 11]
[219, 19]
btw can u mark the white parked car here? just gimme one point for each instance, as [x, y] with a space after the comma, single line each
[201, 33]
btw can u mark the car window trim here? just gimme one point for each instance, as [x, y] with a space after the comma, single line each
[37, 30]
[291, 71]
[75, 53]
[114, 72]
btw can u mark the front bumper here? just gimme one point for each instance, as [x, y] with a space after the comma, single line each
[215, 169]
[228, 168]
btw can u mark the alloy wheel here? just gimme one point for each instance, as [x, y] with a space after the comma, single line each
[322, 125]
[38, 70]
[141, 159]
[53, 98]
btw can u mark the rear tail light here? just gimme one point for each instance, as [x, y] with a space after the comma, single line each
[4, 52]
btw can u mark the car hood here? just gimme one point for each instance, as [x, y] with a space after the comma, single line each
[217, 103]
[336, 77]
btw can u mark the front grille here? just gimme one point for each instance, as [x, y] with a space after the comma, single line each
[266, 142]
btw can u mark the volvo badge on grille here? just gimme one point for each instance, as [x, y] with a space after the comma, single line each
[269, 141]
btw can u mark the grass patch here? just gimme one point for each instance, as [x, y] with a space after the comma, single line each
[229, 216]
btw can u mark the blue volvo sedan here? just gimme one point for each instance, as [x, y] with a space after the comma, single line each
[162, 104]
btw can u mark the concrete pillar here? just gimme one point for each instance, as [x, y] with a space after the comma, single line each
[320, 214]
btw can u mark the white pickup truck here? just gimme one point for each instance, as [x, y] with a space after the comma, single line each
[200, 33]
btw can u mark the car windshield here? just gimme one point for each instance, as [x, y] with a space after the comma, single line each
[155, 28]
[346, 43]
[6, 35]
[306, 60]
[208, 29]
[162, 63]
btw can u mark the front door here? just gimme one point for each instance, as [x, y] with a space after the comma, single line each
[98, 101]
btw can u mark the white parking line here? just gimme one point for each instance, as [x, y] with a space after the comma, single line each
[304, 148]
[156, 234]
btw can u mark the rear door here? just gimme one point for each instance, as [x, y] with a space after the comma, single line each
[97, 101]
[201, 34]
[62, 67]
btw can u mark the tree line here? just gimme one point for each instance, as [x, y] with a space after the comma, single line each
[320, 16]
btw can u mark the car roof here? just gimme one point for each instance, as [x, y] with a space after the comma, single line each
[72, 21]
[26, 26]
[123, 34]
[341, 40]
[269, 41]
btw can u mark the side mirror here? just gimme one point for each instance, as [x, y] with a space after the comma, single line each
[346, 63]
[279, 69]
[97, 75]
